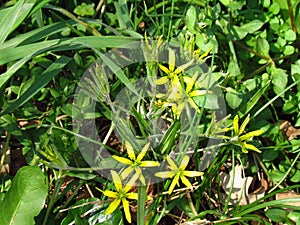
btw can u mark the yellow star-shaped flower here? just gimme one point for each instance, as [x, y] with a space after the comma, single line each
[178, 173]
[120, 195]
[241, 139]
[135, 163]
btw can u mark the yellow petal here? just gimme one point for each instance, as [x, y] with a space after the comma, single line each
[186, 182]
[184, 162]
[126, 210]
[122, 160]
[131, 182]
[110, 194]
[251, 134]
[204, 54]
[132, 195]
[251, 147]
[161, 80]
[192, 173]
[117, 180]
[193, 104]
[172, 164]
[112, 207]
[143, 152]
[125, 173]
[197, 93]
[171, 60]
[244, 124]
[183, 67]
[174, 182]
[165, 174]
[165, 69]
[149, 164]
[130, 151]
[236, 124]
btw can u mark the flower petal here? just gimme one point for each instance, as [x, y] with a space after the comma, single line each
[172, 164]
[126, 210]
[193, 104]
[171, 60]
[184, 162]
[236, 124]
[131, 182]
[161, 80]
[183, 67]
[143, 152]
[117, 180]
[197, 93]
[132, 195]
[244, 124]
[130, 150]
[122, 160]
[251, 147]
[174, 182]
[165, 174]
[125, 173]
[110, 194]
[149, 164]
[186, 182]
[192, 173]
[250, 135]
[112, 207]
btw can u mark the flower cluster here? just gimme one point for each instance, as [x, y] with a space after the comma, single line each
[135, 165]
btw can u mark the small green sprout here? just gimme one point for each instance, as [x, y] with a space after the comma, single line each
[135, 163]
[241, 139]
[178, 173]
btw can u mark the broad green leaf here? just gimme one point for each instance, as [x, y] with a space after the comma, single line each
[277, 215]
[85, 9]
[234, 5]
[252, 26]
[25, 198]
[245, 109]
[290, 35]
[39, 83]
[14, 17]
[279, 79]
[234, 99]
[276, 175]
[191, 19]
[262, 46]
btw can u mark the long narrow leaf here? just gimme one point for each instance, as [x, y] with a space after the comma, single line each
[14, 68]
[8, 55]
[14, 17]
[39, 83]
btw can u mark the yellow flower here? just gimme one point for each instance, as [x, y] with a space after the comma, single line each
[178, 173]
[120, 195]
[135, 163]
[241, 139]
[190, 84]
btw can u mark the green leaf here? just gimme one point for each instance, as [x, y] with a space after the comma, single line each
[14, 17]
[262, 46]
[279, 79]
[290, 35]
[252, 26]
[191, 18]
[85, 9]
[277, 215]
[276, 175]
[245, 109]
[25, 198]
[234, 99]
[296, 177]
[39, 83]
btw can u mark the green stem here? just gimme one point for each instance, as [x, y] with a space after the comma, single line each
[232, 183]
[53, 198]
[142, 196]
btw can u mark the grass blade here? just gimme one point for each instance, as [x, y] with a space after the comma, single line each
[14, 17]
